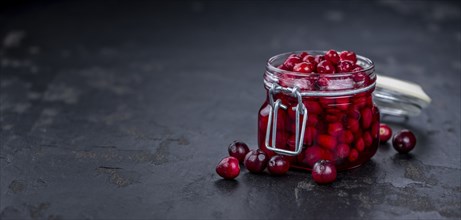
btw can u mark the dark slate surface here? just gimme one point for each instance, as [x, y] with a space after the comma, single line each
[114, 110]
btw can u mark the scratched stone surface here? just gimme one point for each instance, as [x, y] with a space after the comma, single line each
[121, 110]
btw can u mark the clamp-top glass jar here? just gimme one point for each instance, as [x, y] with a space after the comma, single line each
[311, 116]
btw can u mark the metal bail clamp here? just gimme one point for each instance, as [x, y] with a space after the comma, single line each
[272, 123]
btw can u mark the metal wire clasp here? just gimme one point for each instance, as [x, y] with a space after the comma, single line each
[274, 107]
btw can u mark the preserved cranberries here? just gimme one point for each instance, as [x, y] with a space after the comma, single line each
[342, 124]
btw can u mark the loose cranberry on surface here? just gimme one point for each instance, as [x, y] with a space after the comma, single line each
[278, 165]
[404, 141]
[385, 133]
[256, 161]
[344, 66]
[304, 67]
[332, 56]
[238, 150]
[349, 56]
[325, 67]
[291, 61]
[324, 172]
[228, 168]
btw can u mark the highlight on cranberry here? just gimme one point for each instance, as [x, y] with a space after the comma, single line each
[238, 150]
[256, 161]
[324, 172]
[385, 133]
[278, 165]
[228, 168]
[404, 141]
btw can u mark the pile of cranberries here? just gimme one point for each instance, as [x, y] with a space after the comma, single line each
[403, 142]
[256, 161]
[331, 62]
[314, 71]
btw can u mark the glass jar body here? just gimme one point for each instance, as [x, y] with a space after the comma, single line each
[342, 123]
[342, 129]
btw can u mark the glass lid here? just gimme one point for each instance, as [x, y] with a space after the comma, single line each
[398, 97]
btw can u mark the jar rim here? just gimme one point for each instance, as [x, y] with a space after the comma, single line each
[271, 67]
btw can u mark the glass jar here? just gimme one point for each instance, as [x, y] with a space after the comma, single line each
[309, 117]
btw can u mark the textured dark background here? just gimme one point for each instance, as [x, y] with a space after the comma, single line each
[121, 110]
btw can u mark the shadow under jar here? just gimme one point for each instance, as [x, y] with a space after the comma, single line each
[311, 116]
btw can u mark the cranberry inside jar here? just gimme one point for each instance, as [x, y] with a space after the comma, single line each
[335, 111]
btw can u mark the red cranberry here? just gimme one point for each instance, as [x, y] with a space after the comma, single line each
[353, 114]
[313, 107]
[327, 102]
[238, 150]
[304, 67]
[282, 67]
[328, 155]
[291, 140]
[353, 125]
[347, 137]
[349, 56]
[278, 165]
[325, 67]
[342, 103]
[312, 155]
[344, 66]
[228, 168]
[375, 126]
[360, 79]
[404, 141]
[291, 61]
[310, 59]
[366, 118]
[319, 58]
[309, 135]
[326, 141]
[324, 172]
[256, 161]
[322, 82]
[353, 155]
[335, 128]
[342, 151]
[385, 133]
[356, 68]
[359, 145]
[312, 120]
[367, 139]
[332, 56]
[303, 54]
